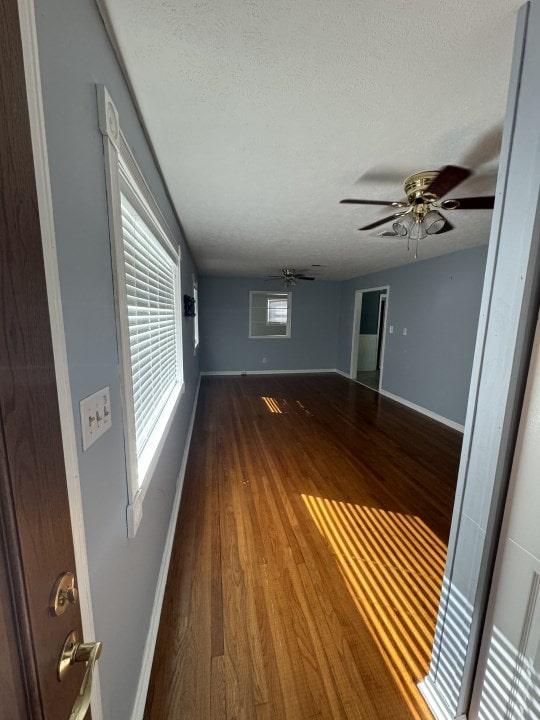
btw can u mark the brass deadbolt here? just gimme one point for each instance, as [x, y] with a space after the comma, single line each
[64, 594]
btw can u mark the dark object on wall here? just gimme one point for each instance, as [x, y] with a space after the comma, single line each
[189, 306]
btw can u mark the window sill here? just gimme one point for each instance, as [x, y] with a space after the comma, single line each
[269, 337]
[150, 458]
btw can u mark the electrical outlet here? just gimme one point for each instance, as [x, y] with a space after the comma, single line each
[95, 416]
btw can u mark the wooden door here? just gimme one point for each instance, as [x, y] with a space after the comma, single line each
[509, 682]
[36, 544]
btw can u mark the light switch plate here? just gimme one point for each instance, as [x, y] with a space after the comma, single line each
[95, 416]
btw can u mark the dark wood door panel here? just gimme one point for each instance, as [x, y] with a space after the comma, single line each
[14, 702]
[39, 545]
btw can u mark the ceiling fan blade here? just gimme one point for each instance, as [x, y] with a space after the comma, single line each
[382, 221]
[304, 277]
[273, 277]
[484, 202]
[352, 201]
[450, 176]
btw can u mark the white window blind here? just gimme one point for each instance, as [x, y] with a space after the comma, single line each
[151, 289]
[277, 309]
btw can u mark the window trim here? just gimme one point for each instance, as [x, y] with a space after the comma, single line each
[122, 171]
[196, 330]
[267, 293]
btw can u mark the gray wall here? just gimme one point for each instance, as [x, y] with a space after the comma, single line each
[75, 54]
[224, 324]
[438, 301]
[369, 314]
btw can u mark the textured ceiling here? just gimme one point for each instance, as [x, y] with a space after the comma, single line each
[264, 114]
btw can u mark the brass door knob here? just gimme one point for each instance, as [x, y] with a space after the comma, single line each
[76, 652]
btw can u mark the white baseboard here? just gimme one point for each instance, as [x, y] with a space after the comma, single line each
[269, 372]
[434, 703]
[151, 638]
[424, 411]
[413, 406]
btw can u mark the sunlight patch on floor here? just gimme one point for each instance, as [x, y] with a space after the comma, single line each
[272, 404]
[281, 406]
[392, 565]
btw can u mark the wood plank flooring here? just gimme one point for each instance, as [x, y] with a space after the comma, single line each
[369, 377]
[308, 555]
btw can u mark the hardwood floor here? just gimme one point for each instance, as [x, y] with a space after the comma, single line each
[369, 377]
[308, 555]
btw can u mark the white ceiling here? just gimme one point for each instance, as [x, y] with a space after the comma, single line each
[265, 113]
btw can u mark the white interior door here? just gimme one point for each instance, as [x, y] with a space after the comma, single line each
[508, 686]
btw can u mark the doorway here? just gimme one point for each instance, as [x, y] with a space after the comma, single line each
[368, 336]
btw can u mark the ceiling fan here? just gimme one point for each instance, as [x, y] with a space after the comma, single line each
[420, 216]
[289, 276]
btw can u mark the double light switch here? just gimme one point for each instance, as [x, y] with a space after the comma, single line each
[95, 416]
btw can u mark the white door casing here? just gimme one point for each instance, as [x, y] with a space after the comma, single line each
[508, 316]
[508, 685]
[355, 342]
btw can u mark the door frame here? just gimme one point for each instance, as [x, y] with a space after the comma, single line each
[508, 314]
[383, 299]
[529, 628]
[46, 218]
[356, 322]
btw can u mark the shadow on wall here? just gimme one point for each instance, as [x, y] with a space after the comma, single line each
[511, 684]
[446, 671]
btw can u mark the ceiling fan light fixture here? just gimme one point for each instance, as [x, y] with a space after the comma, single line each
[418, 230]
[401, 226]
[434, 222]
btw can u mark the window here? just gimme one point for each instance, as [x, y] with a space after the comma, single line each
[151, 292]
[269, 315]
[276, 310]
[146, 262]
